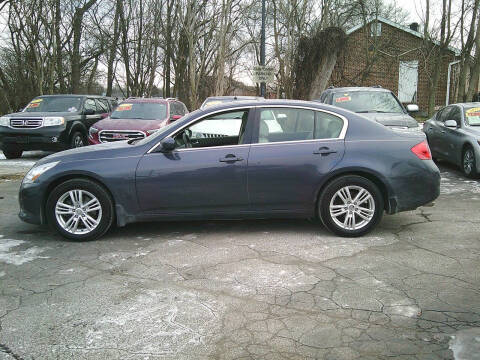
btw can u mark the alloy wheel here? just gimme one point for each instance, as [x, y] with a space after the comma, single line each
[78, 141]
[352, 207]
[468, 161]
[78, 212]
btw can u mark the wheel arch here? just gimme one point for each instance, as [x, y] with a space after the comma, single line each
[77, 126]
[374, 177]
[73, 176]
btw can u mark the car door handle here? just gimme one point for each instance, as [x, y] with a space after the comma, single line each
[230, 158]
[324, 151]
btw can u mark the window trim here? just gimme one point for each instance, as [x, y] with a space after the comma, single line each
[236, 108]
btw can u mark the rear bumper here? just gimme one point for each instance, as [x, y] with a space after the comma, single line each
[415, 189]
[50, 138]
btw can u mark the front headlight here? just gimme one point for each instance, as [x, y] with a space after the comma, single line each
[36, 171]
[92, 131]
[53, 121]
[4, 121]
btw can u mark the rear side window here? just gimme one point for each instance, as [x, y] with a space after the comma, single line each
[327, 126]
[102, 106]
[286, 124]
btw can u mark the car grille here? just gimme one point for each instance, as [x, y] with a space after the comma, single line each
[119, 135]
[26, 123]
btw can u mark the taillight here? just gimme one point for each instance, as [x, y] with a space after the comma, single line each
[422, 151]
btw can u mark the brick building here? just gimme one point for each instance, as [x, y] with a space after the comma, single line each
[395, 57]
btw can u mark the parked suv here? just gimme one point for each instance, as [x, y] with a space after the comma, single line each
[136, 118]
[374, 103]
[51, 122]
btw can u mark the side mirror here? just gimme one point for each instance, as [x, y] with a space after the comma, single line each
[412, 108]
[168, 144]
[89, 112]
[451, 124]
[175, 117]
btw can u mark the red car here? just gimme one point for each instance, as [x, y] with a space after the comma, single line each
[136, 118]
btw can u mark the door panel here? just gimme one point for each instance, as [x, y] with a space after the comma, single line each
[203, 180]
[286, 176]
[287, 163]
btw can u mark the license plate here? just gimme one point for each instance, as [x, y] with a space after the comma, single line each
[22, 139]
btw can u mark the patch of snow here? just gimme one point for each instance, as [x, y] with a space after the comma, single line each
[2, 274]
[18, 257]
[465, 344]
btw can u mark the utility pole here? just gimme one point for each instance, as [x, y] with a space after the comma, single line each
[262, 49]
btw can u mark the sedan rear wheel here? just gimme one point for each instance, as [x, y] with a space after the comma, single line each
[351, 206]
[80, 209]
[469, 163]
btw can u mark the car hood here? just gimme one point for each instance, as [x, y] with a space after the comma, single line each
[95, 152]
[42, 114]
[129, 124]
[474, 130]
[392, 119]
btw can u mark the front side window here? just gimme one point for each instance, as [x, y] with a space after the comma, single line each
[90, 105]
[368, 102]
[217, 130]
[455, 114]
[286, 124]
[54, 104]
[472, 116]
[140, 111]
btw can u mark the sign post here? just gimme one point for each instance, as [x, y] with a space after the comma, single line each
[263, 86]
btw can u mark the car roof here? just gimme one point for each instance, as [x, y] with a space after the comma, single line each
[147, 100]
[357, 88]
[467, 104]
[272, 102]
[73, 95]
[234, 97]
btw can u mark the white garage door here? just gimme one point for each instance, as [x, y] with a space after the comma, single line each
[407, 81]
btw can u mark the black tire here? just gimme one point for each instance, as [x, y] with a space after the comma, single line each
[470, 169]
[78, 139]
[356, 183]
[104, 198]
[12, 154]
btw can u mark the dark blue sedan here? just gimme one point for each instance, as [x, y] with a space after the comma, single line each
[254, 159]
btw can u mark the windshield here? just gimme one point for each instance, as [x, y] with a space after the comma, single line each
[141, 110]
[54, 104]
[472, 116]
[368, 102]
[166, 129]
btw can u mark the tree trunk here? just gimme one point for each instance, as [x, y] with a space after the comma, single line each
[113, 48]
[322, 76]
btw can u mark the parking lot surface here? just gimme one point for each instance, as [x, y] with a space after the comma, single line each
[268, 289]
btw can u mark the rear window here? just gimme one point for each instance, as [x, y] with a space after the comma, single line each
[367, 102]
[54, 104]
[141, 111]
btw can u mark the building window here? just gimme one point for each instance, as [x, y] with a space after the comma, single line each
[376, 29]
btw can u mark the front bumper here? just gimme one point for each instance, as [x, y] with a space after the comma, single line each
[30, 198]
[44, 138]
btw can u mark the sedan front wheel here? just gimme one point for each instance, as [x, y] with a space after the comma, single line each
[80, 209]
[469, 163]
[351, 206]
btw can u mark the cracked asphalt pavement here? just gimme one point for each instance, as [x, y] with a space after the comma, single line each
[276, 289]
